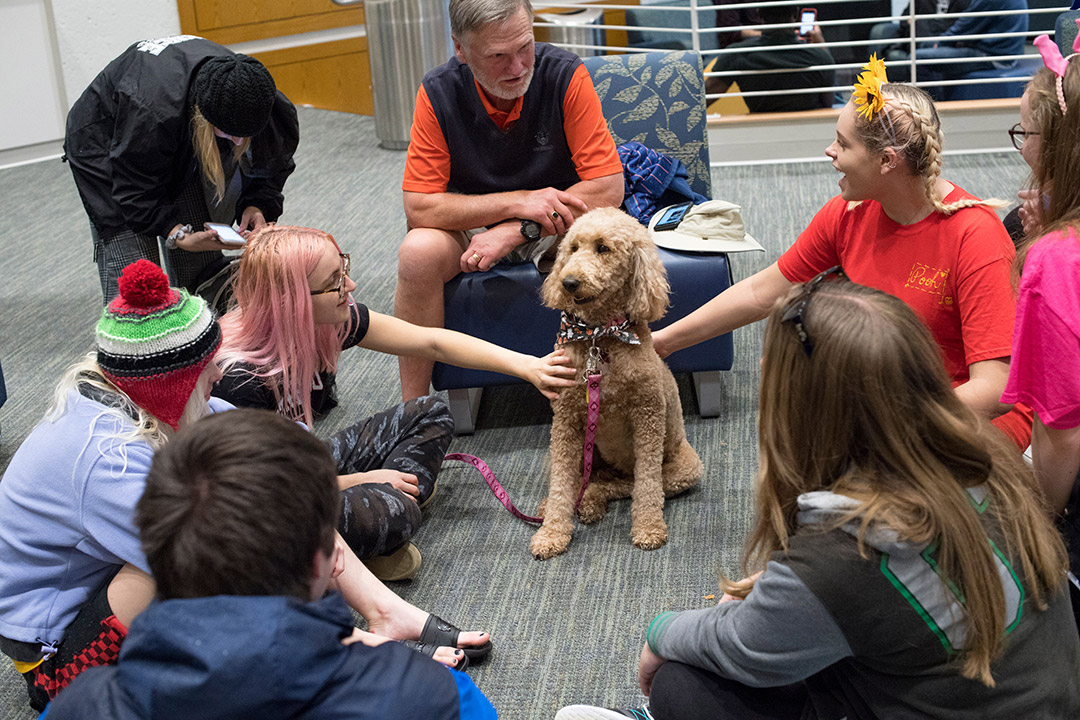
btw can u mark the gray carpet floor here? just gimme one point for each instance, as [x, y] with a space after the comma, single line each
[566, 630]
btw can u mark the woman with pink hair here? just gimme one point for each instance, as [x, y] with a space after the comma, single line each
[295, 314]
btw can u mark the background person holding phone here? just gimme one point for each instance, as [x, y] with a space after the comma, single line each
[173, 133]
[809, 53]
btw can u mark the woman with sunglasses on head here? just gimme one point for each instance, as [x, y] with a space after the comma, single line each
[901, 564]
[1046, 343]
[898, 226]
[294, 316]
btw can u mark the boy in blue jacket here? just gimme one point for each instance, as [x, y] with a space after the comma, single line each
[237, 525]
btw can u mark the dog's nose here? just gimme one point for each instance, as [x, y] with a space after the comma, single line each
[571, 283]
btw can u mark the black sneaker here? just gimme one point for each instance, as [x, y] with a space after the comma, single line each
[591, 712]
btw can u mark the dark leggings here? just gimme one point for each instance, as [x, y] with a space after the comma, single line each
[412, 437]
[684, 692]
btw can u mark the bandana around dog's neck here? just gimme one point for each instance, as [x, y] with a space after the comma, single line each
[573, 328]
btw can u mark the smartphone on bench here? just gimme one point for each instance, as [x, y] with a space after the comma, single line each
[226, 233]
[672, 216]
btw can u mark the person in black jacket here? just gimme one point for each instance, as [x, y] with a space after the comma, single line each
[173, 133]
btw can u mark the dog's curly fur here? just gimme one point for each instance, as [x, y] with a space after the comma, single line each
[607, 266]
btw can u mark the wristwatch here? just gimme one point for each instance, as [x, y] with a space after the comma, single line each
[170, 242]
[530, 230]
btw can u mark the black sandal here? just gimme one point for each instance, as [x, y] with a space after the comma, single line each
[428, 650]
[438, 632]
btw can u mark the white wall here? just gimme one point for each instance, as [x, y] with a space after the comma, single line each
[62, 45]
[90, 33]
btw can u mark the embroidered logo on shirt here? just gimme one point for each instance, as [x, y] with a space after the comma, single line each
[930, 280]
[154, 47]
[542, 138]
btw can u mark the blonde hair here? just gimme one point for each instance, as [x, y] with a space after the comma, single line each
[870, 414]
[1057, 172]
[909, 125]
[208, 155]
[143, 427]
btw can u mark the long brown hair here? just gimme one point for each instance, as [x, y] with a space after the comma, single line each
[1057, 172]
[206, 151]
[870, 413]
[909, 124]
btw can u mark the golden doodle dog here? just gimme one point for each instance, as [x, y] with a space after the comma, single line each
[609, 283]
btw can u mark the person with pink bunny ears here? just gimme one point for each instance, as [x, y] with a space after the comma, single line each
[1045, 368]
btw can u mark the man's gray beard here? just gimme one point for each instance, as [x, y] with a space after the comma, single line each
[494, 91]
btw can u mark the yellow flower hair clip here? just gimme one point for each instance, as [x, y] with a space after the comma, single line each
[867, 96]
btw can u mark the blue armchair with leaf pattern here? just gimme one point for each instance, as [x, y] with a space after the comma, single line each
[658, 100]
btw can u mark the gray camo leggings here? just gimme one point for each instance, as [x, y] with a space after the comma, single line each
[412, 438]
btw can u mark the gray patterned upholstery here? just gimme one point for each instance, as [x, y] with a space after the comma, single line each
[658, 100]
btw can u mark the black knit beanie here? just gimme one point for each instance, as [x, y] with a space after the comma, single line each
[235, 93]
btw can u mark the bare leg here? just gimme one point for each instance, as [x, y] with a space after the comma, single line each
[427, 260]
[130, 591]
[387, 614]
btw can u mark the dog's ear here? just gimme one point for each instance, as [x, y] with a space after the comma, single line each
[549, 290]
[648, 281]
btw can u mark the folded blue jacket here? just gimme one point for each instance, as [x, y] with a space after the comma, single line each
[652, 180]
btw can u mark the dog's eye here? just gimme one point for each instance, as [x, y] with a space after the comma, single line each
[602, 248]
[573, 248]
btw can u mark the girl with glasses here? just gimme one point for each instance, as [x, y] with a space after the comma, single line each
[294, 316]
[1045, 371]
[897, 225]
[901, 564]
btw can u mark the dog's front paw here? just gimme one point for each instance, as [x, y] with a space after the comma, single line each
[593, 505]
[650, 538]
[547, 543]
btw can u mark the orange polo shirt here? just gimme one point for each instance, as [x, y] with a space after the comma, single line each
[427, 163]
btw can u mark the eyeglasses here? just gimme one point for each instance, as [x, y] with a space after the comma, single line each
[1018, 134]
[346, 264]
[793, 313]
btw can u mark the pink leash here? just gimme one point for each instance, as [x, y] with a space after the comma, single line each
[592, 395]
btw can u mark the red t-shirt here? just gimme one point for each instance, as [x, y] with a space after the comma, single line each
[427, 163]
[953, 271]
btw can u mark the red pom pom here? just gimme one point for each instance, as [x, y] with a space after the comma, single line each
[144, 284]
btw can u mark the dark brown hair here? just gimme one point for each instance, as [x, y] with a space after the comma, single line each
[238, 504]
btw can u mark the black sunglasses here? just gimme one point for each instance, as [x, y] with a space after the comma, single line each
[793, 313]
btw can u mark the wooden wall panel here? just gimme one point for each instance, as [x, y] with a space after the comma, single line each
[331, 76]
[233, 21]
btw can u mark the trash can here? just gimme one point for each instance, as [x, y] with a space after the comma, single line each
[406, 38]
[575, 29]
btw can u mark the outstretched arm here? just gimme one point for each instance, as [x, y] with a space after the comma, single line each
[390, 335]
[744, 302]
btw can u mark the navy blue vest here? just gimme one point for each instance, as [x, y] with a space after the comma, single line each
[532, 154]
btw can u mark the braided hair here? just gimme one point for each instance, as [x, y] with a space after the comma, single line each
[909, 124]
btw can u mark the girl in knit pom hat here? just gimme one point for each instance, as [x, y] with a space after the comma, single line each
[173, 133]
[72, 572]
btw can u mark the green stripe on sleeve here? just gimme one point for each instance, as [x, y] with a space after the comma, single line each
[656, 628]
